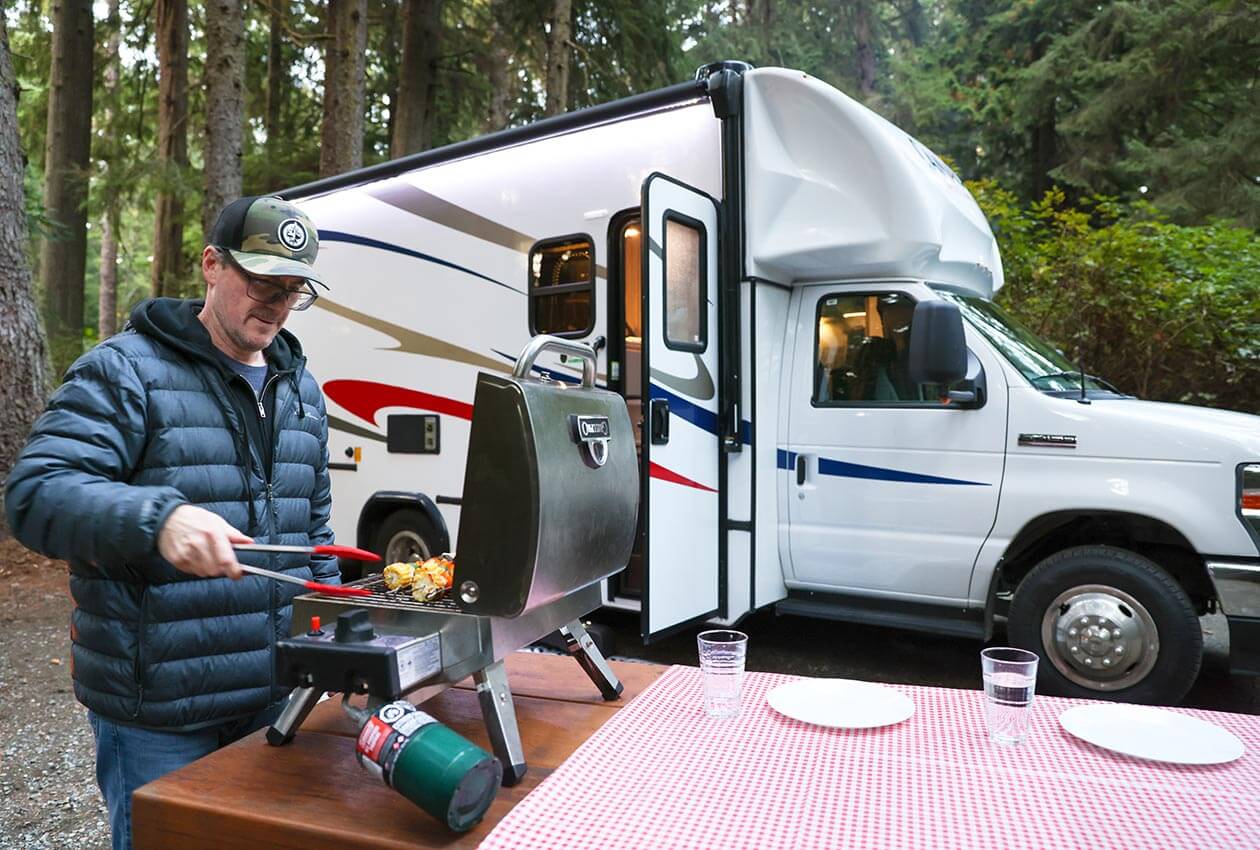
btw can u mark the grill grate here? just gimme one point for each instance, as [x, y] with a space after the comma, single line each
[383, 597]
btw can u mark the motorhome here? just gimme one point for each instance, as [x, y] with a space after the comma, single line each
[835, 419]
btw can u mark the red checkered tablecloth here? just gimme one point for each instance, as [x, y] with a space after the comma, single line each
[661, 774]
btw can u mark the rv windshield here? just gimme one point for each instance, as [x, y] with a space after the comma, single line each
[1038, 361]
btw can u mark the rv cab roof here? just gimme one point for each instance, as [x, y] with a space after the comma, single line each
[835, 191]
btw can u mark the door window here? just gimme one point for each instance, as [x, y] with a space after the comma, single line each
[685, 285]
[861, 351]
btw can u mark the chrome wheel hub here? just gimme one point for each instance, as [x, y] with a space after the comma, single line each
[406, 546]
[1100, 637]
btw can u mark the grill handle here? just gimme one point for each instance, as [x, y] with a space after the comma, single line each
[544, 342]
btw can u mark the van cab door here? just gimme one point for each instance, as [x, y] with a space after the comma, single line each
[680, 440]
[889, 491]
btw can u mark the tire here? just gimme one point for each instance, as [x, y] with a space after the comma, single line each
[1090, 606]
[405, 535]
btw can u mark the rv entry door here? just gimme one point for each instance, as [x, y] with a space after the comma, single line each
[680, 424]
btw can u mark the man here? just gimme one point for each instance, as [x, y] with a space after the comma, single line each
[195, 429]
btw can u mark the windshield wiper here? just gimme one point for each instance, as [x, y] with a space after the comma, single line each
[1078, 375]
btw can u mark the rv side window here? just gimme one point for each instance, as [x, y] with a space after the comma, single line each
[562, 286]
[861, 346]
[685, 283]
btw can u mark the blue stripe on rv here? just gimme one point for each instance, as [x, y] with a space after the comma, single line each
[352, 239]
[705, 420]
[841, 469]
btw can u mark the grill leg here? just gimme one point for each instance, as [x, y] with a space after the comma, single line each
[499, 712]
[582, 648]
[301, 701]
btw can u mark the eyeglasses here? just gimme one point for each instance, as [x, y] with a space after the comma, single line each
[266, 291]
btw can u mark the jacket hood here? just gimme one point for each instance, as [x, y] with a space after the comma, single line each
[174, 322]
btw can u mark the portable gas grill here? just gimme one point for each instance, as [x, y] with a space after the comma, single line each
[548, 511]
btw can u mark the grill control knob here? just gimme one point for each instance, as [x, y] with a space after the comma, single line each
[354, 627]
[469, 592]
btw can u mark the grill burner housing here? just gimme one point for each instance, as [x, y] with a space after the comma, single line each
[549, 507]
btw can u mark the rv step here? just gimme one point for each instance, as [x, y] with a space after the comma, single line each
[873, 612]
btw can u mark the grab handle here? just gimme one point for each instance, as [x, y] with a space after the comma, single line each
[546, 342]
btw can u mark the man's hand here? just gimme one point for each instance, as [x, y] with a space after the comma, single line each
[199, 542]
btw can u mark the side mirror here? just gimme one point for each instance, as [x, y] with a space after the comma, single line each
[938, 346]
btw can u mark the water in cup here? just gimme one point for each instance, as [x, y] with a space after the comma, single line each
[1008, 705]
[722, 654]
[1010, 682]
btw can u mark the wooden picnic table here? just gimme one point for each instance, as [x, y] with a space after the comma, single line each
[312, 791]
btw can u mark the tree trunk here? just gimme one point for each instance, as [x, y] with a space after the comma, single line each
[761, 15]
[345, 82]
[1043, 138]
[107, 299]
[225, 107]
[558, 55]
[63, 255]
[172, 147]
[23, 371]
[275, 75]
[388, 60]
[914, 20]
[422, 34]
[498, 71]
[864, 43]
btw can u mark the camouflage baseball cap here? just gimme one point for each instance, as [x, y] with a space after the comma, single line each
[270, 237]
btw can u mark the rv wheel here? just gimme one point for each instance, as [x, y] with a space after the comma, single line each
[405, 535]
[1107, 623]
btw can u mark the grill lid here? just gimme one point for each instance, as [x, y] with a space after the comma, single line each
[551, 488]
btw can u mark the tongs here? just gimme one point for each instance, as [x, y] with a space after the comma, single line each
[348, 552]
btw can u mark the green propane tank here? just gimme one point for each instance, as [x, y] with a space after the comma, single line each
[429, 763]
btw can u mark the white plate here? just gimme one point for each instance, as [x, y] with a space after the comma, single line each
[1151, 733]
[841, 703]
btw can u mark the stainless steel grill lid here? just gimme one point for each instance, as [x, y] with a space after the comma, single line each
[551, 489]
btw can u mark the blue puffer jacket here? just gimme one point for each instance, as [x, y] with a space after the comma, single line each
[144, 423]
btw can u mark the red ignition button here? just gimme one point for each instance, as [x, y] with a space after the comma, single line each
[315, 629]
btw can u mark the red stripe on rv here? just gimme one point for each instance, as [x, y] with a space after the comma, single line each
[366, 398]
[663, 474]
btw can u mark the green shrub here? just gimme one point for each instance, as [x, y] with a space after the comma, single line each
[1163, 311]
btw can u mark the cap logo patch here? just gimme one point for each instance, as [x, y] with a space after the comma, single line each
[292, 234]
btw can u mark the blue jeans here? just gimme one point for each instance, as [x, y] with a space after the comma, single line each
[128, 757]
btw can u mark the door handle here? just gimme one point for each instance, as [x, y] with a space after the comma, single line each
[659, 414]
[800, 470]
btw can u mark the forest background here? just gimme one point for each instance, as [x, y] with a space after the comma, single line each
[1113, 145]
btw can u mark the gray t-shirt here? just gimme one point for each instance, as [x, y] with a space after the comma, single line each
[256, 375]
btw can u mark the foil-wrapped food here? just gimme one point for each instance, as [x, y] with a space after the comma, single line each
[426, 580]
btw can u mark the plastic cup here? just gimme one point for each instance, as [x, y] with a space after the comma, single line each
[1010, 681]
[722, 653]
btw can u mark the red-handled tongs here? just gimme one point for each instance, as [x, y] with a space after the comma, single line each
[331, 589]
[348, 552]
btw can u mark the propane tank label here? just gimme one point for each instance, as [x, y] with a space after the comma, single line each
[385, 734]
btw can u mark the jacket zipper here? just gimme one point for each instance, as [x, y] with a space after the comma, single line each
[258, 397]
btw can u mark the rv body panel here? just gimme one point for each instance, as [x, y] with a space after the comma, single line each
[1175, 464]
[773, 334]
[883, 497]
[430, 284]
[835, 191]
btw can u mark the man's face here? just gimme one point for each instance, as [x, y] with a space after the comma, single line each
[249, 324]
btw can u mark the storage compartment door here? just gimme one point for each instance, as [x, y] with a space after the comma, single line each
[680, 424]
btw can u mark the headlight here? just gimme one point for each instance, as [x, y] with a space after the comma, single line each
[1249, 497]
